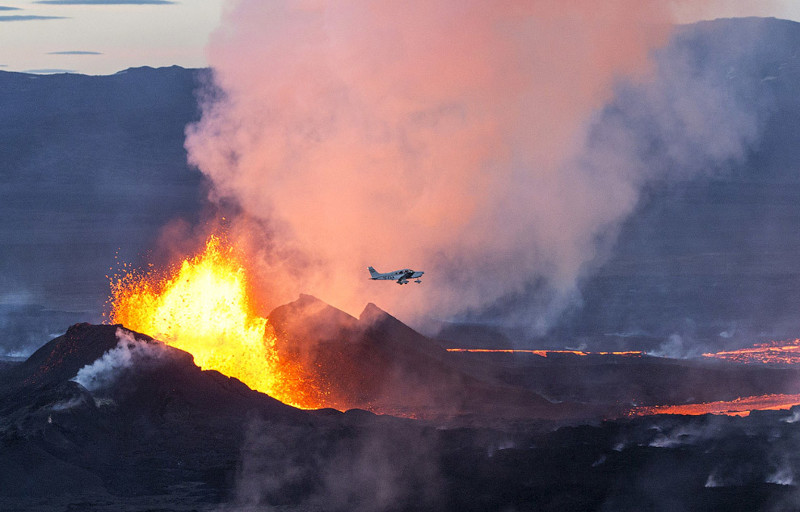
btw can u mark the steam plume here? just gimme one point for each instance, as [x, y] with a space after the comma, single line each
[129, 352]
[447, 136]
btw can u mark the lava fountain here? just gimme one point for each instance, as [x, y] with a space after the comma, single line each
[203, 307]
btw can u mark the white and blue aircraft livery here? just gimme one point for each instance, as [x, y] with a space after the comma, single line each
[401, 276]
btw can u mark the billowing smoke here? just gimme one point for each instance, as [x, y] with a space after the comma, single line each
[129, 352]
[446, 136]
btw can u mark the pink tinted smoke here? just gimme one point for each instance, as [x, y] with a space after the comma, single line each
[437, 135]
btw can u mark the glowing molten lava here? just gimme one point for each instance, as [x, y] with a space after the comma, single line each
[738, 407]
[776, 352]
[202, 307]
[544, 353]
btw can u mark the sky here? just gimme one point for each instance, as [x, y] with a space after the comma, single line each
[503, 116]
[99, 37]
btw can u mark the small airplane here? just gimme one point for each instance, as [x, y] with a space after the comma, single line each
[401, 276]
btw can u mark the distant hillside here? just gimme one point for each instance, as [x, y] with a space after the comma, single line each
[89, 165]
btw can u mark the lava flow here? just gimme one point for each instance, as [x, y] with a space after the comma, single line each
[776, 352]
[203, 307]
[545, 353]
[738, 407]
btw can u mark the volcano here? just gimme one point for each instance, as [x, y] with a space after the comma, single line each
[58, 436]
[102, 418]
[378, 363]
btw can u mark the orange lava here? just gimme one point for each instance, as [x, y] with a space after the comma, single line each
[545, 353]
[776, 352]
[739, 407]
[203, 307]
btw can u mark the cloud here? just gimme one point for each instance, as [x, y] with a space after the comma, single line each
[48, 71]
[30, 18]
[5, 8]
[106, 2]
[75, 52]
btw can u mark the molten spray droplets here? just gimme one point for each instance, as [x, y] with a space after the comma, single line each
[203, 307]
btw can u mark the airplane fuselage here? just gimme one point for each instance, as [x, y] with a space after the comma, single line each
[401, 276]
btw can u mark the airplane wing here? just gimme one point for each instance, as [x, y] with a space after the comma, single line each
[404, 278]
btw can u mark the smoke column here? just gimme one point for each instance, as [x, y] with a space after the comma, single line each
[441, 135]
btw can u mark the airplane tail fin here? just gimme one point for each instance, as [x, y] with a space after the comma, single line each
[374, 273]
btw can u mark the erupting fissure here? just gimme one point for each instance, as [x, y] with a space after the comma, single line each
[203, 307]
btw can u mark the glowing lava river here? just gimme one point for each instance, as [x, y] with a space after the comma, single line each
[203, 307]
[545, 353]
[738, 407]
[785, 353]
[775, 352]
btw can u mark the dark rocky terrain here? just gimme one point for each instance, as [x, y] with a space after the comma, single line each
[158, 433]
[608, 381]
[378, 363]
